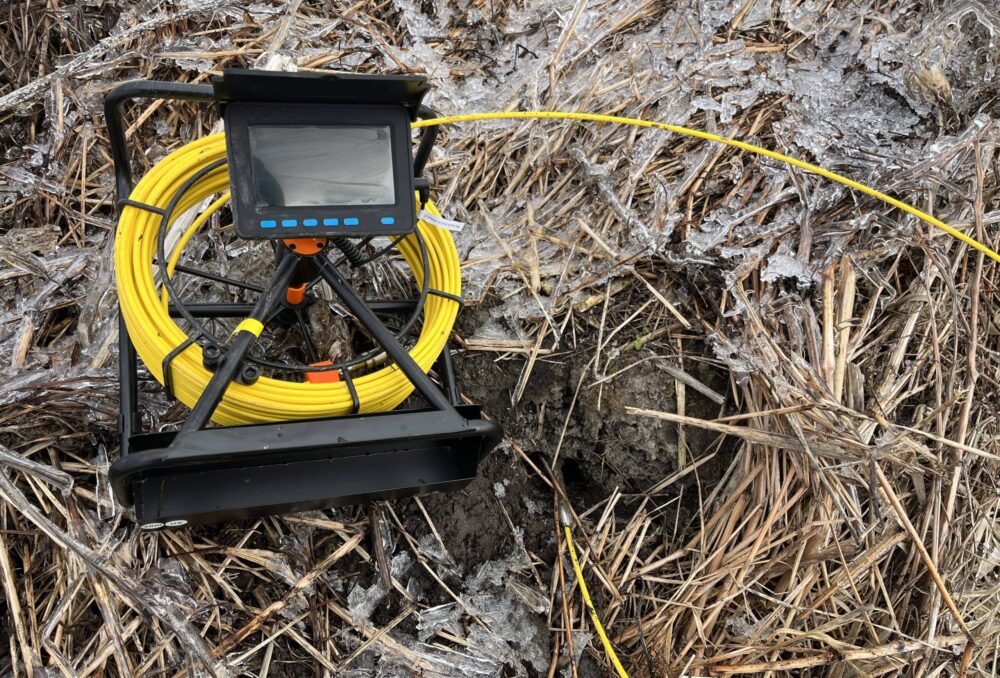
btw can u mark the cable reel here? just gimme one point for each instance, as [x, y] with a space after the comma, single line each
[152, 319]
[312, 167]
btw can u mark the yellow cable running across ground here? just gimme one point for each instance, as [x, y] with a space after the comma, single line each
[708, 136]
[608, 648]
[155, 333]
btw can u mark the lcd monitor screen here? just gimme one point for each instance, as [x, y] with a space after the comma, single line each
[302, 166]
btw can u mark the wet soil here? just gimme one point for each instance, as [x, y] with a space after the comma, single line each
[600, 447]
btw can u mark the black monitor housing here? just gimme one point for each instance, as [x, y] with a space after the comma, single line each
[320, 155]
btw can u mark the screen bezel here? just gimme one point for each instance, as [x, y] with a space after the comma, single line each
[240, 116]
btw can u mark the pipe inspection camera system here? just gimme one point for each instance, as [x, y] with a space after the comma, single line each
[311, 168]
[316, 166]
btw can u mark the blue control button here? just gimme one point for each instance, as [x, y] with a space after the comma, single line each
[289, 223]
[350, 222]
[309, 222]
[388, 221]
[331, 222]
[268, 223]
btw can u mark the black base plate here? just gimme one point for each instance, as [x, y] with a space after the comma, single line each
[238, 472]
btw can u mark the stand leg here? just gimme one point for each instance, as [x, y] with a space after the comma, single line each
[383, 336]
[128, 399]
[243, 341]
[447, 369]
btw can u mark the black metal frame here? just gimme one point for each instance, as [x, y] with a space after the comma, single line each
[200, 474]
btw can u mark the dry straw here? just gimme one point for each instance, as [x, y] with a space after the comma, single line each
[833, 505]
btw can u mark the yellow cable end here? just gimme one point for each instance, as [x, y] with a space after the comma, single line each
[608, 648]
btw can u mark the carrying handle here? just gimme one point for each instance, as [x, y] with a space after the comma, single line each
[114, 104]
[428, 135]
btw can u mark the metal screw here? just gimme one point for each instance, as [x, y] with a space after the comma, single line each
[249, 374]
[210, 357]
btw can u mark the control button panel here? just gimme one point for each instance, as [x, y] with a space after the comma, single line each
[293, 226]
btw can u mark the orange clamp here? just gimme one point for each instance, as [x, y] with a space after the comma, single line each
[296, 295]
[329, 377]
[306, 246]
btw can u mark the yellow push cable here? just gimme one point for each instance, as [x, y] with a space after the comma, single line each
[156, 334]
[708, 136]
[608, 648]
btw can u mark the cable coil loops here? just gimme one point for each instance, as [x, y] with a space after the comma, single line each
[155, 334]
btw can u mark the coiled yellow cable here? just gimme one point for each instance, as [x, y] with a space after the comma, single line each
[155, 333]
